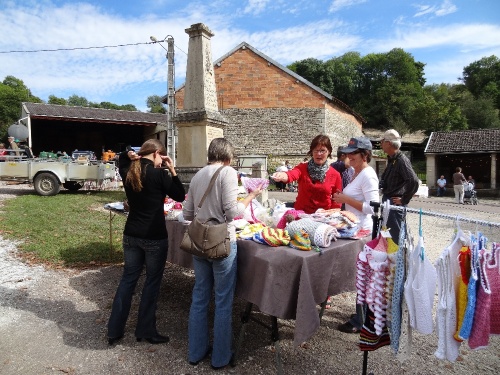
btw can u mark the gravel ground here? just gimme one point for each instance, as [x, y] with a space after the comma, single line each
[53, 321]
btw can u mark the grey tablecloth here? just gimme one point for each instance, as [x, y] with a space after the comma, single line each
[285, 282]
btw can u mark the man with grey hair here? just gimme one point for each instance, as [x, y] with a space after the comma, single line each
[398, 182]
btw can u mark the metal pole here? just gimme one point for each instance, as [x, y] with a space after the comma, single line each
[171, 128]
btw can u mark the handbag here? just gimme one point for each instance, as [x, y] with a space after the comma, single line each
[205, 239]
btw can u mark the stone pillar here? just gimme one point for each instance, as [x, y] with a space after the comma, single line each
[259, 171]
[493, 182]
[200, 120]
[431, 171]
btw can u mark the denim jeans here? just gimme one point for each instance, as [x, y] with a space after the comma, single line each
[136, 253]
[219, 274]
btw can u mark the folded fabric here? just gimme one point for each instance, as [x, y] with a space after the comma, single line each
[347, 232]
[275, 237]
[248, 232]
[350, 216]
[257, 237]
[300, 241]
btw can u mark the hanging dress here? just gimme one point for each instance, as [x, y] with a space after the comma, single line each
[420, 288]
[480, 334]
[448, 274]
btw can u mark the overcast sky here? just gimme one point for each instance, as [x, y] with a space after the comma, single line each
[446, 35]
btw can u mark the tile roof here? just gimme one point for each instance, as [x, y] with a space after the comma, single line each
[72, 113]
[481, 140]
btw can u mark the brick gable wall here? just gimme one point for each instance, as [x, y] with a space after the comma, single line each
[270, 112]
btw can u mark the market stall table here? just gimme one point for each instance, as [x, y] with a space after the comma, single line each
[284, 282]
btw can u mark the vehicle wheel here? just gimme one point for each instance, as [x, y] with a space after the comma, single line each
[72, 185]
[46, 184]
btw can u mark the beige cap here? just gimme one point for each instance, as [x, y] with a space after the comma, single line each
[390, 135]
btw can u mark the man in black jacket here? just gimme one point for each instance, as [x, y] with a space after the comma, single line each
[398, 182]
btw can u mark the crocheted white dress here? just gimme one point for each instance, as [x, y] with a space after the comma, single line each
[448, 274]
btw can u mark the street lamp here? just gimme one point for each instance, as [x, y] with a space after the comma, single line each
[171, 129]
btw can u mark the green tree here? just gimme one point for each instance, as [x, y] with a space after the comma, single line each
[155, 105]
[79, 101]
[482, 78]
[13, 92]
[437, 111]
[55, 100]
[480, 113]
[346, 77]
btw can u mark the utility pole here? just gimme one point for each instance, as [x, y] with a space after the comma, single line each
[171, 128]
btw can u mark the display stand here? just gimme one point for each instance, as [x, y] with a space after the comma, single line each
[376, 224]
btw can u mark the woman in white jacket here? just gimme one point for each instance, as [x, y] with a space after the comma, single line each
[357, 196]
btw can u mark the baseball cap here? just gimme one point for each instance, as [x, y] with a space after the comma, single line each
[390, 135]
[357, 143]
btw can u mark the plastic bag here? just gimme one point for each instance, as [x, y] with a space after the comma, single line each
[250, 184]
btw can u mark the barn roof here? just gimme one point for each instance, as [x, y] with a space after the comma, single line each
[480, 140]
[88, 114]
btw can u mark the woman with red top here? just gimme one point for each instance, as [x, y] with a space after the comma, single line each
[317, 181]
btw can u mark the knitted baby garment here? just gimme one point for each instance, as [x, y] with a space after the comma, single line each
[420, 288]
[446, 316]
[464, 261]
[493, 272]
[480, 334]
[471, 290]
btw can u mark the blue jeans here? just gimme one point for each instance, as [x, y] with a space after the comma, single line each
[219, 274]
[441, 191]
[136, 253]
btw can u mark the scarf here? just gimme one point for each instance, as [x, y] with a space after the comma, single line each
[317, 172]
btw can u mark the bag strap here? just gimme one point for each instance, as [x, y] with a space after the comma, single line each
[210, 185]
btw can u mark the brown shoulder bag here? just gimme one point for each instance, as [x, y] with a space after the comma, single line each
[208, 239]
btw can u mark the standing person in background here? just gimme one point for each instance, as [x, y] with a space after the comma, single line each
[281, 168]
[357, 195]
[399, 182]
[145, 237]
[317, 181]
[217, 274]
[458, 185]
[441, 184]
[342, 166]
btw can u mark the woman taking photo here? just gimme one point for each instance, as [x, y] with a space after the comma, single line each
[218, 274]
[317, 181]
[145, 238]
[357, 196]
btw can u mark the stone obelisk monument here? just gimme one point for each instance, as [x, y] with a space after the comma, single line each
[200, 120]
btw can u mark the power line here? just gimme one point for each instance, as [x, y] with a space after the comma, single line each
[84, 48]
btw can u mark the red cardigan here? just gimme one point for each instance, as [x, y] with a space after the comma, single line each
[314, 195]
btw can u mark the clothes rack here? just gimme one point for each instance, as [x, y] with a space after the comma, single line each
[376, 222]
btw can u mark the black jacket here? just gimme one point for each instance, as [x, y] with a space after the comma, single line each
[146, 218]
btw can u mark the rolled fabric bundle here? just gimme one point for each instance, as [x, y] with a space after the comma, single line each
[305, 224]
[323, 235]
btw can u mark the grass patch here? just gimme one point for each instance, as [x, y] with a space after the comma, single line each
[69, 229]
